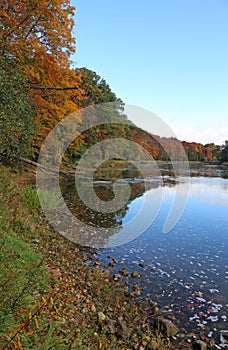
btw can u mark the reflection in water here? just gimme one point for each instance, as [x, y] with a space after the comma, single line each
[114, 222]
[104, 190]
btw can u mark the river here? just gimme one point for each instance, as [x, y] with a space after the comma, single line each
[185, 270]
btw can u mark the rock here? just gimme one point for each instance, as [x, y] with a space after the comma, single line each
[124, 272]
[153, 303]
[143, 264]
[137, 292]
[211, 342]
[111, 326]
[116, 277]
[93, 308]
[224, 336]
[155, 310]
[199, 345]
[165, 326]
[101, 316]
[224, 333]
[181, 335]
[124, 330]
[135, 274]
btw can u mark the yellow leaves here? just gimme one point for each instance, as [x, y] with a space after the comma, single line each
[41, 24]
[34, 75]
[57, 311]
[19, 345]
[15, 334]
[12, 332]
[44, 300]
[13, 346]
[47, 304]
[36, 322]
[79, 296]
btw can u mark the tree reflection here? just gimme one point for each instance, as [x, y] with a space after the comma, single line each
[96, 219]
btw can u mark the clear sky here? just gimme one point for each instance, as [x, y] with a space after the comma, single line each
[168, 56]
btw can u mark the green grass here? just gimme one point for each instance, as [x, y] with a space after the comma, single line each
[22, 276]
[32, 197]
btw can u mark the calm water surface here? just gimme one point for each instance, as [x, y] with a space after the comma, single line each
[186, 269]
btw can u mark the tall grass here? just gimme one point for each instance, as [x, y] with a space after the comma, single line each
[33, 197]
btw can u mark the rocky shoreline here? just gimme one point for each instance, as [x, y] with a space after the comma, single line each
[162, 318]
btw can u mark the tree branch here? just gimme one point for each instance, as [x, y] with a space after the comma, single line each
[52, 88]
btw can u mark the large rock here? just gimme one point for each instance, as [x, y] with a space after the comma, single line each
[199, 345]
[165, 326]
[124, 330]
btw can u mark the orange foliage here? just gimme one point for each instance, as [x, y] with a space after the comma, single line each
[30, 28]
[38, 34]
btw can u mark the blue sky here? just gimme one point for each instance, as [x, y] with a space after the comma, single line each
[167, 56]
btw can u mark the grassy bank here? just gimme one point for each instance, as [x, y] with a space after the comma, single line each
[50, 297]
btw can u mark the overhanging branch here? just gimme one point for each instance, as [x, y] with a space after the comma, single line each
[52, 88]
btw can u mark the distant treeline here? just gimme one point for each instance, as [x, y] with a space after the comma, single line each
[161, 148]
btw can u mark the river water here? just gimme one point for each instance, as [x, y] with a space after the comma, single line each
[186, 269]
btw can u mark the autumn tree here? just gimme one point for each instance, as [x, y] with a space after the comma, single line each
[31, 28]
[38, 35]
[198, 152]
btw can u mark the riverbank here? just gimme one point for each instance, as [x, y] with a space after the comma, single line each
[50, 297]
[112, 169]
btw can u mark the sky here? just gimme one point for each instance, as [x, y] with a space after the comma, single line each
[167, 56]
